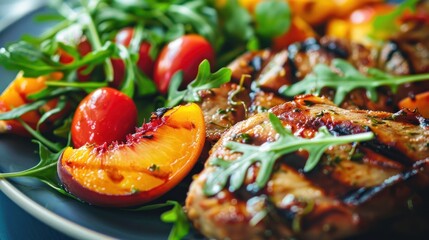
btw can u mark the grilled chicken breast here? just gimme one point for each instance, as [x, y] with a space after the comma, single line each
[352, 188]
[257, 76]
[269, 71]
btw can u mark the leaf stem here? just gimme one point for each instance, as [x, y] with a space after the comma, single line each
[83, 85]
[54, 146]
[95, 40]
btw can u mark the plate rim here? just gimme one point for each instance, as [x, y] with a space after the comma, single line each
[48, 217]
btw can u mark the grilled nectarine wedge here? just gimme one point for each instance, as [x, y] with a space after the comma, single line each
[16, 94]
[149, 163]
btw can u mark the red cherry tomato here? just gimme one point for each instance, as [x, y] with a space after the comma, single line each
[144, 63]
[104, 116]
[185, 53]
[83, 47]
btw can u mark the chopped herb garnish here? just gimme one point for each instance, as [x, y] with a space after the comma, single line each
[154, 167]
[134, 190]
[225, 111]
[357, 157]
[332, 111]
[375, 121]
[321, 113]
[333, 161]
[234, 172]
[243, 137]
[297, 220]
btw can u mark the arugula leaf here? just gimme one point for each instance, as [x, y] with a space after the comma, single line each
[133, 75]
[52, 92]
[37, 135]
[273, 18]
[34, 62]
[194, 13]
[17, 112]
[45, 170]
[86, 86]
[237, 21]
[58, 108]
[26, 57]
[175, 215]
[94, 36]
[268, 153]
[204, 80]
[348, 79]
[385, 25]
[64, 130]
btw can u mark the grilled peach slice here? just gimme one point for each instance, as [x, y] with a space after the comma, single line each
[149, 163]
[16, 94]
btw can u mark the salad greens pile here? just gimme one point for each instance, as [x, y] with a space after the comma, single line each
[227, 28]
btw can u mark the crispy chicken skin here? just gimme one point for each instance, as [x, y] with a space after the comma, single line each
[353, 187]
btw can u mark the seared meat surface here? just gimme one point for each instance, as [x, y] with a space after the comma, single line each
[353, 187]
[400, 56]
[225, 106]
[261, 74]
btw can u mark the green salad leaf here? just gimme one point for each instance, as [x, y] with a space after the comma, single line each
[34, 62]
[346, 79]
[205, 80]
[234, 172]
[175, 215]
[273, 18]
[385, 25]
[45, 170]
[19, 111]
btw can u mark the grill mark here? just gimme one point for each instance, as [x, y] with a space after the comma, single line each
[321, 178]
[305, 124]
[395, 51]
[364, 194]
[256, 64]
[389, 152]
[293, 50]
[337, 49]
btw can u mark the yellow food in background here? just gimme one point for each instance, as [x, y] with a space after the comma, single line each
[358, 25]
[314, 12]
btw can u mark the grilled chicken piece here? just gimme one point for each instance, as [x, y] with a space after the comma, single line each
[222, 108]
[401, 56]
[225, 106]
[250, 63]
[353, 187]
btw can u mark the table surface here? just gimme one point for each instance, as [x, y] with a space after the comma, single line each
[15, 223]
